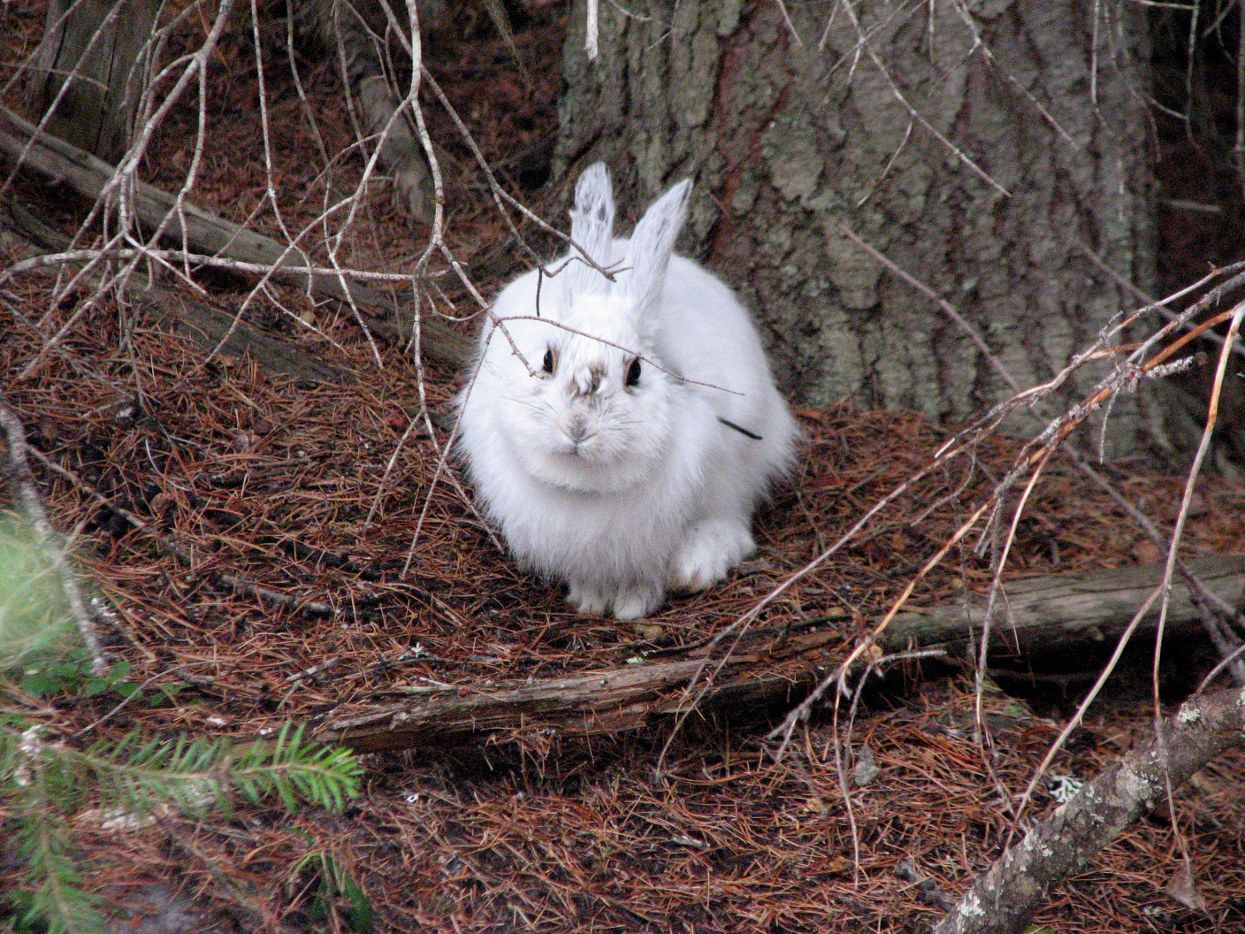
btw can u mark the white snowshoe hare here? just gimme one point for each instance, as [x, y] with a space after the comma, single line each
[621, 433]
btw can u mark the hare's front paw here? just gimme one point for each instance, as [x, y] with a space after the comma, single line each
[710, 550]
[587, 599]
[636, 600]
[629, 601]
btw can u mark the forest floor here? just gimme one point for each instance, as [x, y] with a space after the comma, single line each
[308, 488]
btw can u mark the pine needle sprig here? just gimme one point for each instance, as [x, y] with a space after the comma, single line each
[139, 774]
[56, 898]
[135, 779]
[45, 783]
[48, 783]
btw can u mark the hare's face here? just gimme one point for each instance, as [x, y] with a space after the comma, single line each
[585, 410]
[593, 415]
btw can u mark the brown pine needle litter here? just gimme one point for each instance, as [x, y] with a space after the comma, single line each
[250, 532]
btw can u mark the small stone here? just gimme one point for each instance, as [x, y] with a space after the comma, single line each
[649, 632]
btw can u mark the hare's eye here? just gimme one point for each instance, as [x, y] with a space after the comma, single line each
[547, 365]
[633, 372]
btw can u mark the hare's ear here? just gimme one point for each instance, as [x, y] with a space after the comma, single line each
[653, 243]
[592, 229]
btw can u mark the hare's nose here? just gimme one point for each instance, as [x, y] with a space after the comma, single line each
[577, 428]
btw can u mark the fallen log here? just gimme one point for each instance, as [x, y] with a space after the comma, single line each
[1047, 613]
[208, 234]
[1058, 610]
[198, 321]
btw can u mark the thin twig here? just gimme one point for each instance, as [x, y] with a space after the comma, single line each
[25, 493]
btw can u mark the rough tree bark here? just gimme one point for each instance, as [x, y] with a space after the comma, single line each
[976, 145]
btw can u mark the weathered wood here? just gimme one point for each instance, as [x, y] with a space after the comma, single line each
[200, 322]
[98, 47]
[1051, 612]
[209, 234]
[1049, 615]
[206, 326]
[612, 701]
[1004, 898]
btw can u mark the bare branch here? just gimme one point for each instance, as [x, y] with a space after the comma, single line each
[1003, 899]
[215, 237]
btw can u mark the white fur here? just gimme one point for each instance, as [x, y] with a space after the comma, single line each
[657, 493]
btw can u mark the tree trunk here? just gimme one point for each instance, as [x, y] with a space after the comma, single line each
[98, 47]
[977, 154]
